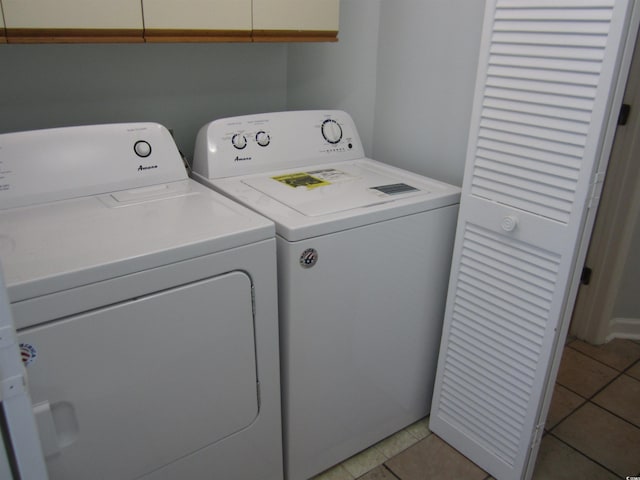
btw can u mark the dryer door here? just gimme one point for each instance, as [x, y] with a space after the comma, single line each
[123, 390]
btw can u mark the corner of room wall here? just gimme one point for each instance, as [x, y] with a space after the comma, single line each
[340, 75]
[405, 71]
[427, 61]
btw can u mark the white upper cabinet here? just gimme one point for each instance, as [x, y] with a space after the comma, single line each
[59, 21]
[197, 19]
[39, 20]
[288, 19]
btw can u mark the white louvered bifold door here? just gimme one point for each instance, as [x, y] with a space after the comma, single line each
[548, 80]
[21, 455]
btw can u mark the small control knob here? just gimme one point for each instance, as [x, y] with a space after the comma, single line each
[331, 131]
[509, 223]
[263, 138]
[142, 148]
[239, 141]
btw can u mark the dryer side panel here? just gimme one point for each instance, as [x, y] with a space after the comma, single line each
[123, 390]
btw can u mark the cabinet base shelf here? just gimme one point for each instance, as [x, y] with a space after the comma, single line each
[72, 35]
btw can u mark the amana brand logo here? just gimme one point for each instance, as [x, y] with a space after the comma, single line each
[150, 167]
[242, 159]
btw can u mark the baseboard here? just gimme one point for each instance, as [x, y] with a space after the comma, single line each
[624, 328]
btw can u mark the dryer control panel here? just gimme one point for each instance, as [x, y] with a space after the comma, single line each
[57, 164]
[268, 142]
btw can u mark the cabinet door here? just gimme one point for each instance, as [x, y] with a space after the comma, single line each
[72, 20]
[197, 20]
[295, 20]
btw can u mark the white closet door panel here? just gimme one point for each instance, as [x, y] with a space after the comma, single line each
[319, 15]
[20, 449]
[198, 14]
[547, 75]
[91, 14]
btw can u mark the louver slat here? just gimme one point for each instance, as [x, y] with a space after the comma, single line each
[551, 100]
[473, 335]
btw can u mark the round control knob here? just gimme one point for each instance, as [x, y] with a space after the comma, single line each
[142, 148]
[509, 223]
[263, 138]
[239, 141]
[331, 131]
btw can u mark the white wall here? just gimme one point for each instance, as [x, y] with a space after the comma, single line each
[405, 71]
[340, 75]
[626, 311]
[427, 60]
[181, 86]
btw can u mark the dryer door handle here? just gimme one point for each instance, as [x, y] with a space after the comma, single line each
[46, 429]
[59, 433]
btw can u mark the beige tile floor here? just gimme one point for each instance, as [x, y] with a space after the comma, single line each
[592, 430]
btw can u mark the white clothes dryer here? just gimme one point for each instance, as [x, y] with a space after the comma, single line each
[364, 252]
[145, 305]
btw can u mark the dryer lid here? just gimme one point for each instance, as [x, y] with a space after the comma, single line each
[325, 190]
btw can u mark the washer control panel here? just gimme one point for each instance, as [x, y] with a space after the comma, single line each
[271, 141]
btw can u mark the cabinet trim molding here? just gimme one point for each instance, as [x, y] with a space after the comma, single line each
[73, 35]
[294, 35]
[182, 35]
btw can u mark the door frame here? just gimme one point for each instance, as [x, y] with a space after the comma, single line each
[610, 242]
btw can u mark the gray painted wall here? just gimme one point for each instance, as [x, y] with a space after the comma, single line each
[340, 75]
[427, 61]
[405, 71]
[627, 303]
[182, 86]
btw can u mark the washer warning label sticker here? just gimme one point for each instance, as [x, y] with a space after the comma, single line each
[331, 175]
[314, 179]
[301, 179]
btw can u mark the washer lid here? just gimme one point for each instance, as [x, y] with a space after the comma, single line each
[321, 199]
[330, 189]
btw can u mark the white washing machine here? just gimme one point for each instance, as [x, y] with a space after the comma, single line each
[364, 251]
[146, 308]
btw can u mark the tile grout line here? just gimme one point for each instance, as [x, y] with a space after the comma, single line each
[637, 362]
[598, 360]
[590, 400]
[604, 387]
[375, 447]
[615, 415]
[582, 453]
[585, 401]
[384, 465]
